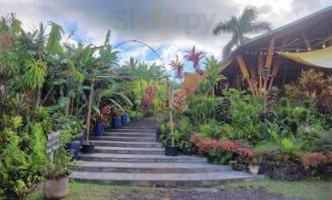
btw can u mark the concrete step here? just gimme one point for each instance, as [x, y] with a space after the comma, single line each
[126, 139]
[126, 144]
[134, 130]
[129, 134]
[140, 158]
[161, 179]
[129, 150]
[124, 167]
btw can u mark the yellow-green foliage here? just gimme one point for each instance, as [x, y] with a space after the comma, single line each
[22, 158]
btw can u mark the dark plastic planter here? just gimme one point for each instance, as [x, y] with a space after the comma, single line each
[88, 148]
[124, 119]
[74, 147]
[171, 151]
[158, 134]
[116, 122]
[99, 129]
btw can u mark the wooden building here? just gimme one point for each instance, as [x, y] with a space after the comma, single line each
[270, 59]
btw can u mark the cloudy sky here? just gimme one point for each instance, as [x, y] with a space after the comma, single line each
[170, 26]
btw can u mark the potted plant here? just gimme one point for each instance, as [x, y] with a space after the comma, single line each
[116, 118]
[99, 128]
[253, 166]
[170, 149]
[80, 138]
[124, 119]
[56, 174]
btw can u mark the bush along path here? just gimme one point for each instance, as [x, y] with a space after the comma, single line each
[131, 156]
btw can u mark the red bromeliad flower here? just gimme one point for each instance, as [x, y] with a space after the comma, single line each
[195, 57]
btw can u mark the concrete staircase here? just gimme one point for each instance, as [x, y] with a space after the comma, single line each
[131, 156]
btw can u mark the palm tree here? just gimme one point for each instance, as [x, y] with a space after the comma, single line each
[195, 57]
[247, 23]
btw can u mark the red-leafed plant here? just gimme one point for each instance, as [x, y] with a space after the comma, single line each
[315, 159]
[195, 57]
[206, 145]
[178, 67]
[105, 113]
[149, 95]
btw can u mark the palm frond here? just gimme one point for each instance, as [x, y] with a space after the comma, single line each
[125, 98]
[249, 14]
[260, 27]
[55, 36]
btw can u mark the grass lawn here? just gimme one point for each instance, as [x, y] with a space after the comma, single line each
[311, 190]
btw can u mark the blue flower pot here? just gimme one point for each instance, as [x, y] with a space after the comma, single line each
[124, 119]
[81, 139]
[74, 147]
[99, 129]
[116, 122]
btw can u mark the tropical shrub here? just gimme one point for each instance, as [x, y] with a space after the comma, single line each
[201, 108]
[21, 161]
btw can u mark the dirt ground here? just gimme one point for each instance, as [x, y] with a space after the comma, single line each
[207, 194]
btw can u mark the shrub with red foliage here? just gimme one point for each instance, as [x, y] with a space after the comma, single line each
[208, 144]
[316, 159]
[149, 95]
[246, 152]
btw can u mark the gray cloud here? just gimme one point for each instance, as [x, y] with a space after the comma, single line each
[180, 22]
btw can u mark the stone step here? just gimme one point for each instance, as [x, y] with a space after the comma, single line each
[142, 125]
[87, 166]
[129, 134]
[161, 179]
[140, 158]
[126, 144]
[127, 139]
[134, 130]
[129, 150]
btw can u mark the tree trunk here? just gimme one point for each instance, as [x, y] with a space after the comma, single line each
[89, 111]
[38, 97]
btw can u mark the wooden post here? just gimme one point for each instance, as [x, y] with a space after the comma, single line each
[245, 72]
[269, 60]
[225, 64]
[260, 69]
[89, 111]
[171, 112]
[275, 70]
[277, 64]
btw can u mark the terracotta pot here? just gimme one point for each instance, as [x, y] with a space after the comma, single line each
[253, 169]
[56, 188]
